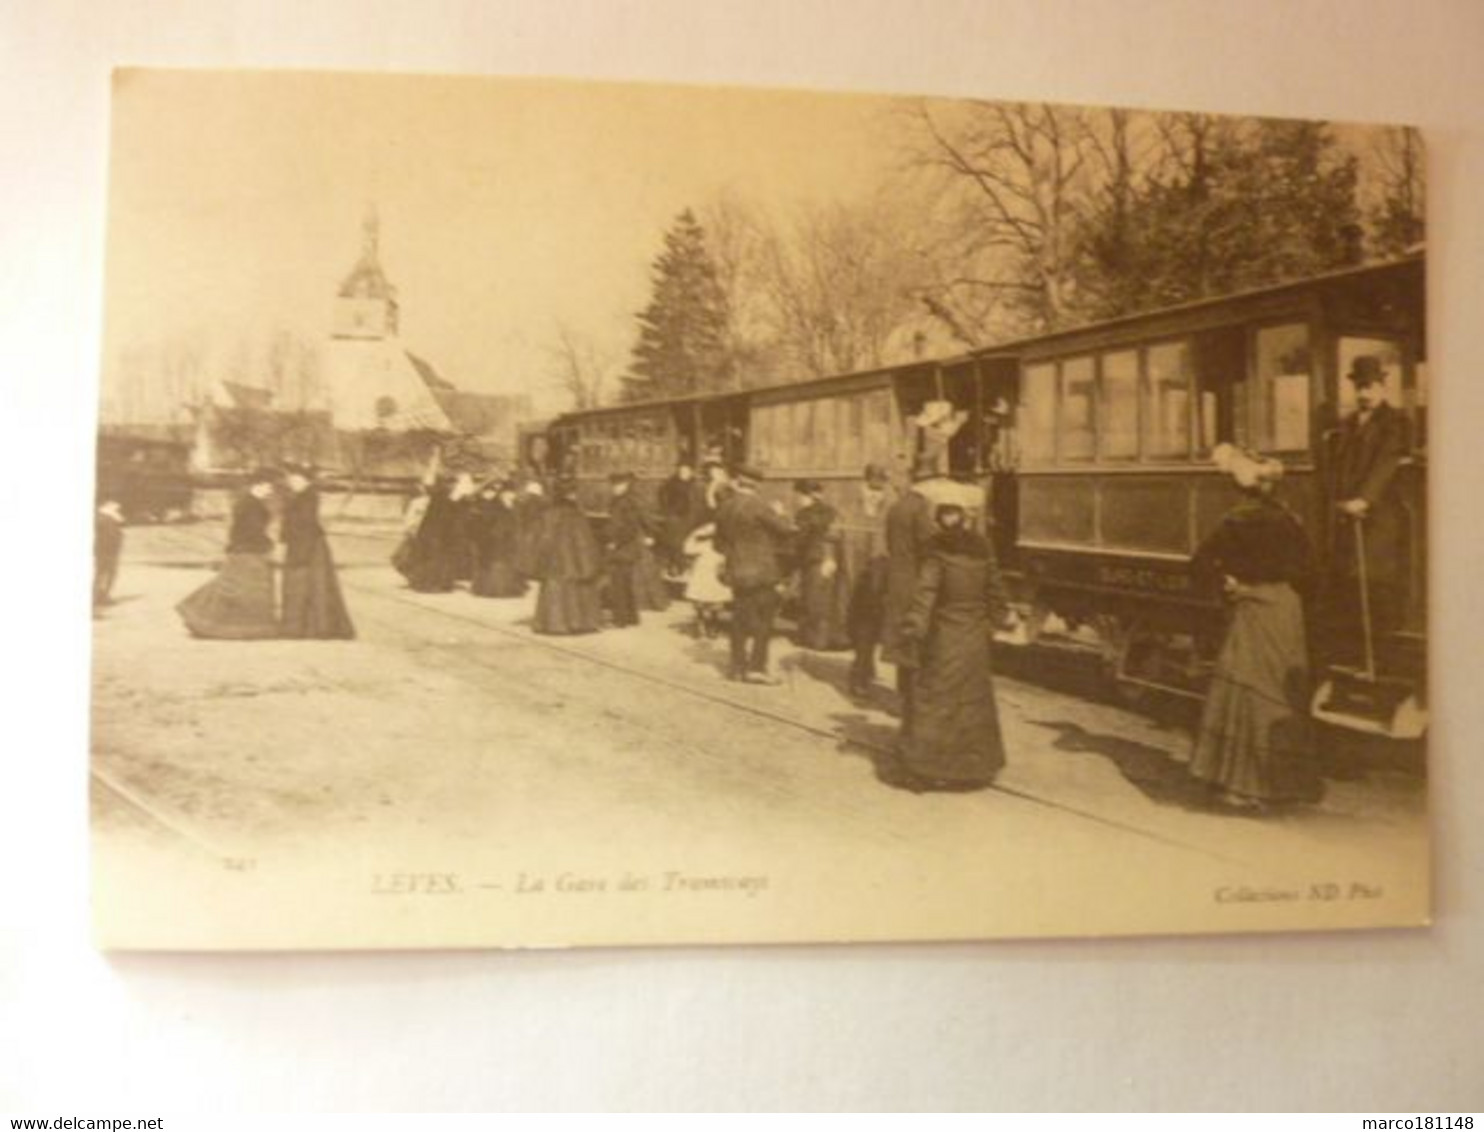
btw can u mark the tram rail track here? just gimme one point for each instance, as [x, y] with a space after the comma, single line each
[523, 637]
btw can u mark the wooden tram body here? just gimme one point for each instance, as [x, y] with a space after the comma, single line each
[150, 478]
[1092, 447]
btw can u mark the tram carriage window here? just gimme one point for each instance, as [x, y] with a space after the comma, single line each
[852, 432]
[877, 431]
[1118, 411]
[762, 436]
[824, 454]
[1167, 388]
[1038, 412]
[1391, 365]
[1283, 391]
[1077, 426]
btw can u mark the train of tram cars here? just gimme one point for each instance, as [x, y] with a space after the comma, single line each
[1092, 447]
[149, 478]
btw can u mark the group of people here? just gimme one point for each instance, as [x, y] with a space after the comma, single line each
[1255, 746]
[240, 602]
[911, 577]
[501, 536]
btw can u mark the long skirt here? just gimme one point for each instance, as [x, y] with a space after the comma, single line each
[312, 604]
[824, 609]
[952, 735]
[565, 606]
[649, 583]
[497, 577]
[1255, 739]
[236, 605]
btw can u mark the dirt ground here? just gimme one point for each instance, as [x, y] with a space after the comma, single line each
[292, 793]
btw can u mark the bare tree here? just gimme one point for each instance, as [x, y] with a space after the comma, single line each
[1016, 178]
[841, 280]
[1398, 220]
[582, 369]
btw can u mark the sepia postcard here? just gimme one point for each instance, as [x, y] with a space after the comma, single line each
[541, 513]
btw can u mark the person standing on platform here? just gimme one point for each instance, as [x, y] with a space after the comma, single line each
[462, 498]
[824, 584]
[530, 505]
[866, 560]
[1368, 548]
[909, 529]
[624, 544]
[108, 547]
[430, 563]
[704, 588]
[748, 535]
[951, 739]
[682, 510]
[717, 489]
[496, 542]
[312, 604]
[1255, 744]
[238, 604]
[569, 565]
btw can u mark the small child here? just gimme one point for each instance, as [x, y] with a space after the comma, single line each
[704, 588]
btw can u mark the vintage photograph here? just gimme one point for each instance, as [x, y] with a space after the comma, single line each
[543, 513]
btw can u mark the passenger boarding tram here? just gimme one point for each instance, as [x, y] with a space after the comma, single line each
[1092, 447]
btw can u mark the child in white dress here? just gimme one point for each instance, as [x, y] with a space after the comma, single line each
[704, 588]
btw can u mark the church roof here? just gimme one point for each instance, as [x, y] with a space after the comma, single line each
[367, 280]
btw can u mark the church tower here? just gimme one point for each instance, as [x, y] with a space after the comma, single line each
[373, 382]
[366, 306]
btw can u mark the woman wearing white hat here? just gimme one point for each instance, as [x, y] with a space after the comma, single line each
[1255, 744]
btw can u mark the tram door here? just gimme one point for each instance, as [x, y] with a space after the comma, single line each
[999, 391]
[1405, 391]
[723, 428]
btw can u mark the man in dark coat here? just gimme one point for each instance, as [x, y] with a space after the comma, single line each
[749, 534]
[682, 509]
[1366, 452]
[623, 545]
[824, 582]
[909, 530]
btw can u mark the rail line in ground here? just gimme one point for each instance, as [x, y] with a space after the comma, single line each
[154, 813]
[528, 639]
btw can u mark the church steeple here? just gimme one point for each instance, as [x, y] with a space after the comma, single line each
[367, 303]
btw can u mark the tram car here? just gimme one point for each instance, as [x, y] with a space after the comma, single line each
[1090, 451]
[149, 477]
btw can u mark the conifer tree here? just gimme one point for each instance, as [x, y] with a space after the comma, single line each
[681, 347]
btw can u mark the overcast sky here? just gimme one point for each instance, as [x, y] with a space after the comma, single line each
[236, 202]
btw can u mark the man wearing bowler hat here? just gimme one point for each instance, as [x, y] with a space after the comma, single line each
[749, 534]
[1365, 454]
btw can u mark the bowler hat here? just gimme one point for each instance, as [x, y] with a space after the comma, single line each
[808, 487]
[1366, 369]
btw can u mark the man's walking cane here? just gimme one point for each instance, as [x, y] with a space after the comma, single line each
[1365, 598]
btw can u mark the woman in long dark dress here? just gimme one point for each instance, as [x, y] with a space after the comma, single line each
[824, 584]
[237, 604]
[570, 565]
[312, 604]
[497, 543]
[951, 740]
[1255, 744]
[431, 564]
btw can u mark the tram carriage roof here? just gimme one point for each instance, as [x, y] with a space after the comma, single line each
[1195, 306]
[1008, 349]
